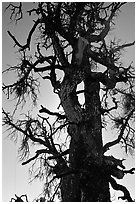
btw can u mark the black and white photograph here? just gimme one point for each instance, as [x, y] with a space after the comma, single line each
[68, 101]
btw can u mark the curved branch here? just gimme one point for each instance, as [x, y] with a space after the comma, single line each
[110, 144]
[14, 39]
[27, 45]
[16, 11]
[119, 187]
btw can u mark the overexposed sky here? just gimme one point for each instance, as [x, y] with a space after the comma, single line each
[15, 176]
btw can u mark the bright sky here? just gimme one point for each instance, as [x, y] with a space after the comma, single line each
[15, 176]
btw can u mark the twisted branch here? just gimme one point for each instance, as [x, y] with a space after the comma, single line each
[119, 187]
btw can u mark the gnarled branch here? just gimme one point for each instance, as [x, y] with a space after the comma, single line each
[119, 187]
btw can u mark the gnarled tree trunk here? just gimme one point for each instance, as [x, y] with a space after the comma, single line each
[87, 182]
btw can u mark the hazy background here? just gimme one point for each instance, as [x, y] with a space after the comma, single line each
[15, 176]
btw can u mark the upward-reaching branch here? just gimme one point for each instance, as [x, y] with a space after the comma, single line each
[59, 51]
[110, 144]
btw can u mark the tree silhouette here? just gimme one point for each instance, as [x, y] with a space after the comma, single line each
[71, 47]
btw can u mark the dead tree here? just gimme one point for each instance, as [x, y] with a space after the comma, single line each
[72, 39]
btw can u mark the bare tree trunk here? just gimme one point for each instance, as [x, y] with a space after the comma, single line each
[88, 182]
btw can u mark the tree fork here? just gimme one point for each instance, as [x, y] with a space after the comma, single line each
[86, 153]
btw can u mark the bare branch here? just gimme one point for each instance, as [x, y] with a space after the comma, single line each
[110, 109]
[130, 171]
[59, 51]
[31, 159]
[38, 140]
[9, 122]
[47, 68]
[38, 152]
[113, 50]
[27, 45]
[103, 61]
[45, 110]
[59, 155]
[119, 187]
[110, 144]
[59, 128]
[106, 23]
[16, 11]
[14, 39]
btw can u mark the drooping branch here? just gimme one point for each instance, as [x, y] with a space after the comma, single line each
[119, 187]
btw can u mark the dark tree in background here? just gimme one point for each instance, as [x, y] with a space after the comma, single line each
[71, 48]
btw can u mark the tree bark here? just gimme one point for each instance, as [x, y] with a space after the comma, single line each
[88, 182]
